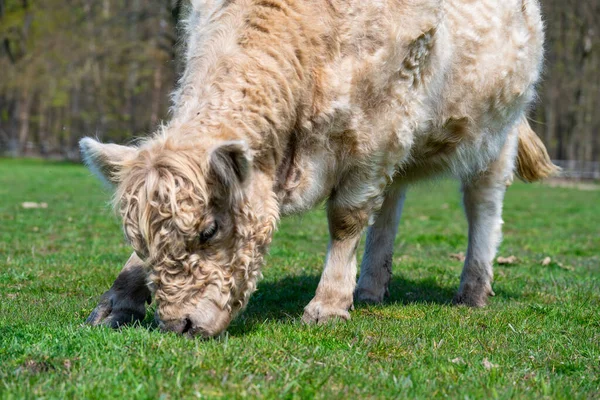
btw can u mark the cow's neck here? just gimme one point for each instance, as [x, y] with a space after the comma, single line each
[247, 76]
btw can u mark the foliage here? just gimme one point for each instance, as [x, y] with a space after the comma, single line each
[105, 68]
[539, 338]
[82, 68]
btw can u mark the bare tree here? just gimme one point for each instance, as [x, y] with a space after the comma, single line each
[105, 68]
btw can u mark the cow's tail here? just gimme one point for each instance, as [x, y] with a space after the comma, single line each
[533, 162]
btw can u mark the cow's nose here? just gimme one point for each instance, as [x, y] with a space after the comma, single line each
[180, 326]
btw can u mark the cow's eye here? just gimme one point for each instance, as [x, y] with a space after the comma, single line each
[208, 233]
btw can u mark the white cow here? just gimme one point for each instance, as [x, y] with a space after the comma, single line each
[286, 103]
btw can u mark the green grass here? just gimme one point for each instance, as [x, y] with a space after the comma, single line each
[541, 332]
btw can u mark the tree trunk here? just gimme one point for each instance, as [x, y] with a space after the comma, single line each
[24, 110]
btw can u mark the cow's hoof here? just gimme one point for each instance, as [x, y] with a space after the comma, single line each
[474, 295]
[367, 296]
[317, 312]
[115, 313]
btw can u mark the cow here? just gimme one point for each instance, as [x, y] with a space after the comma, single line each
[286, 104]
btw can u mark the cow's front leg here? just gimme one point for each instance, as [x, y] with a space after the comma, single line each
[125, 302]
[334, 295]
[376, 267]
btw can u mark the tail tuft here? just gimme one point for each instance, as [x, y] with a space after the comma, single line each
[533, 162]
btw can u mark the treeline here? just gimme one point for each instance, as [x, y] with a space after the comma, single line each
[567, 116]
[70, 68]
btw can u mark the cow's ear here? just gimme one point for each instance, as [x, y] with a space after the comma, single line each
[105, 160]
[231, 163]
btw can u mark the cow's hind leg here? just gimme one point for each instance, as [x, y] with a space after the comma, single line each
[125, 302]
[376, 267]
[482, 197]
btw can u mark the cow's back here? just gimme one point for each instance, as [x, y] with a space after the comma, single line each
[492, 61]
[497, 54]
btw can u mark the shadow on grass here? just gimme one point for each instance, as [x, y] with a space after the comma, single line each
[284, 300]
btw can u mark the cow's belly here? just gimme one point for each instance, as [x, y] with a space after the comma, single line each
[468, 156]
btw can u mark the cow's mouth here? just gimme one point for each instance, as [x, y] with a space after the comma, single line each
[205, 320]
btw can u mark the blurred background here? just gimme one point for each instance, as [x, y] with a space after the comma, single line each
[70, 68]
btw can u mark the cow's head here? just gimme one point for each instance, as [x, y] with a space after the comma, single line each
[200, 215]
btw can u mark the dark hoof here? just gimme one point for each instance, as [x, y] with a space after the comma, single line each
[116, 313]
[367, 297]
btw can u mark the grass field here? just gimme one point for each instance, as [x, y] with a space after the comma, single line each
[539, 338]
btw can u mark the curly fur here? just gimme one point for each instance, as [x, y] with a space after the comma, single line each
[166, 195]
[286, 103]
